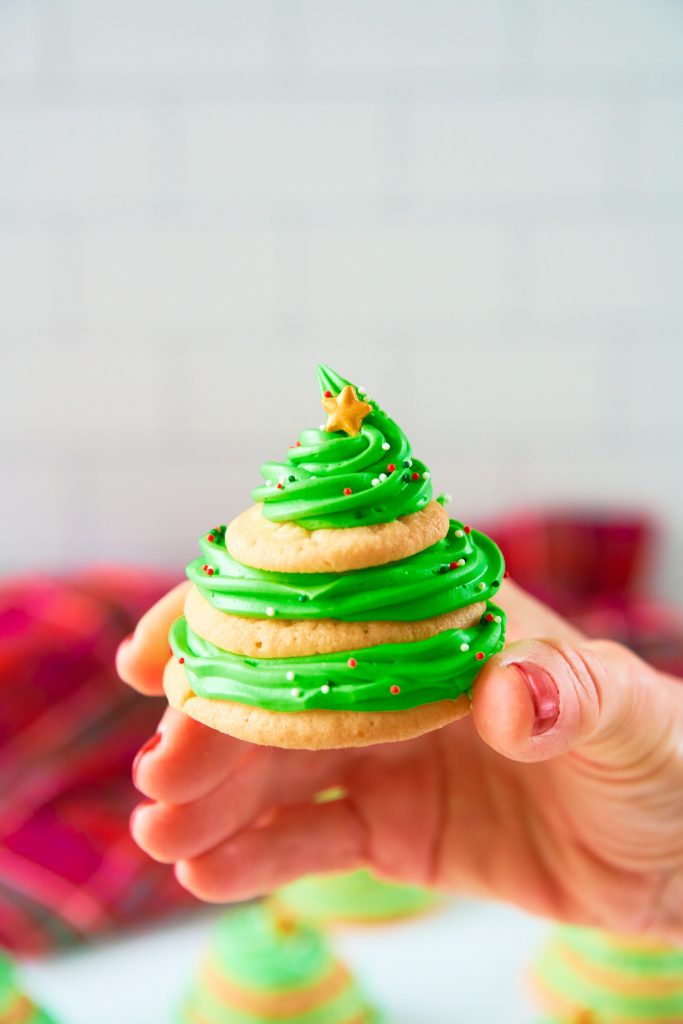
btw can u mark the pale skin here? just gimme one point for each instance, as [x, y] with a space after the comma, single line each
[577, 815]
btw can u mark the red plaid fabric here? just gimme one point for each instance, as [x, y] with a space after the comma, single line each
[69, 730]
[592, 567]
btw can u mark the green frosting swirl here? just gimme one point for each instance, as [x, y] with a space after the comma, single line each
[324, 464]
[387, 677]
[414, 588]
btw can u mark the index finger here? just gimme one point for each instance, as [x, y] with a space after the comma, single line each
[141, 657]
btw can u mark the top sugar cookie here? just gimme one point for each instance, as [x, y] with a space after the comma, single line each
[288, 547]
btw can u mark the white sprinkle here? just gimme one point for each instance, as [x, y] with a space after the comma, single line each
[481, 586]
[362, 391]
[447, 498]
[464, 647]
[386, 446]
[459, 533]
[324, 688]
[461, 561]
[426, 476]
[322, 426]
[270, 611]
[383, 476]
[497, 618]
[375, 482]
[296, 692]
[290, 677]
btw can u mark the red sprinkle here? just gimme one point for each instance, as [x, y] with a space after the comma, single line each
[467, 529]
[506, 574]
[211, 538]
[279, 487]
[204, 567]
[391, 467]
[489, 617]
[347, 491]
[181, 661]
[352, 663]
[480, 655]
[395, 689]
[453, 565]
[415, 476]
[210, 571]
[328, 394]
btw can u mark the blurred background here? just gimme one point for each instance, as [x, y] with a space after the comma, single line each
[473, 208]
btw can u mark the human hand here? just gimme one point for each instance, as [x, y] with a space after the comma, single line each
[561, 793]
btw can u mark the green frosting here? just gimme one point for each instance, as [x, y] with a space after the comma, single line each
[387, 677]
[323, 464]
[356, 895]
[414, 588]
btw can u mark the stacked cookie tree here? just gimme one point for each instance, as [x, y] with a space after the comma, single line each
[344, 608]
[587, 976]
[262, 966]
[15, 1006]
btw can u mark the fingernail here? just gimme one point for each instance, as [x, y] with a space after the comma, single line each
[150, 744]
[544, 696]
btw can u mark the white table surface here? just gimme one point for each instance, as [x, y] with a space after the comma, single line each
[463, 964]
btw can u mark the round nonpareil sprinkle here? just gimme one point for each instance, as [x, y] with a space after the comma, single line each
[290, 677]
[270, 611]
[325, 688]
[464, 647]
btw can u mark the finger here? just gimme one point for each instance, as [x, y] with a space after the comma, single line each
[328, 837]
[528, 617]
[184, 760]
[141, 657]
[260, 783]
[168, 832]
[539, 699]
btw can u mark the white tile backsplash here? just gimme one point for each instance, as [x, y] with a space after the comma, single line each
[474, 208]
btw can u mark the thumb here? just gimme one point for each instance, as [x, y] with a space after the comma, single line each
[542, 698]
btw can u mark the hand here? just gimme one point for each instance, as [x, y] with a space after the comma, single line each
[562, 792]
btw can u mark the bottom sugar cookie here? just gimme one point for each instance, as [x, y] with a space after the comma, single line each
[308, 730]
[262, 965]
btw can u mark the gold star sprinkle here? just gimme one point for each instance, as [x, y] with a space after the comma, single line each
[345, 411]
